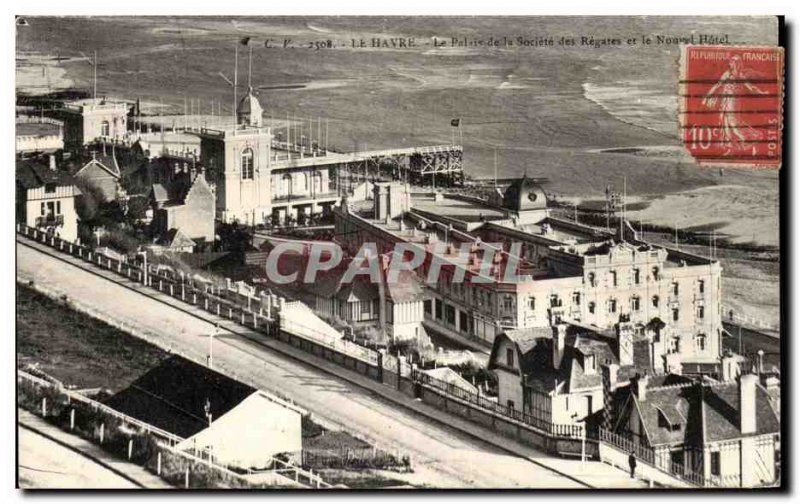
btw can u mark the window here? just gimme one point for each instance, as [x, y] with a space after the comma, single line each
[636, 276]
[105, 129]
[591, 307]
[675, 314]
[635, 303]
[427, 306]
[701, 312]
[58, 207]
[700, 342]
[554, 301]
[675, 345]
[508, 303]
[701, 286]
[532, 303]
[715, 463]
[510, 404]
[450, 314]
[576, 298]
[439, 309]
[614, 278]
[43, 209]
[675, 288]
[247, 164]
[655, 301]
[591, 279]
[676, 457]
[655, 273]
[49, 188]
[589, 362]
[612, 306]
[510, 357]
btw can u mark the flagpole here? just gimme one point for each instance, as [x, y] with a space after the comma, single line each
[235, 82]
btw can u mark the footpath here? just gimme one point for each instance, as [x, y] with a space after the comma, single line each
[137, 475]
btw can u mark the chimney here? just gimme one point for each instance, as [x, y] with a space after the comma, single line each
[559, 342]
[747, 403]
[611, 374]
[625, 343]
[639, 386]
[52, 160]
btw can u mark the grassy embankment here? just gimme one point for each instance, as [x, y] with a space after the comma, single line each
[84, 352]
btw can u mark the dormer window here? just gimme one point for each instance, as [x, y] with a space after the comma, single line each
[510, 357]
[589, 362]
[50, 188]
[671, 424]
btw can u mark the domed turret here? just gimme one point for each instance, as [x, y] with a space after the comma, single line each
[524, 195]
[249, 111]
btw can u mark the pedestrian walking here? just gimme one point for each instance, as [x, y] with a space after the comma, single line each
[632, 463]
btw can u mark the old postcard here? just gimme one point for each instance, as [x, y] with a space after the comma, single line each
[338, 253]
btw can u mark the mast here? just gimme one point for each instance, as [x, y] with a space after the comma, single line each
[94, 81]
[250, 68]
[495, 167]
[235, 81]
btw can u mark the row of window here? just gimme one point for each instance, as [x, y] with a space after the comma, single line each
[611, 305]
[636, 280]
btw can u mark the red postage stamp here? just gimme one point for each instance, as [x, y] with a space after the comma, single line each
[731, 104]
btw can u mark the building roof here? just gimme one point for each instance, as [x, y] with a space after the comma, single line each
[407, 289]
[177, 190]
[173, 396]
[249, 105]
[32, 174]
[177, 239]
[107, 163]
[700, 413]
[452, 377]
[524, 194]
[331, 283]
[535, 350]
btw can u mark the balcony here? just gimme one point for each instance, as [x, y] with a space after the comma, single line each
[50, 220]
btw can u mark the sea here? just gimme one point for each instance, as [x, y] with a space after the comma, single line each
[574, 100]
